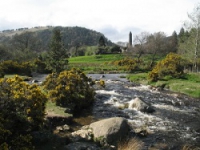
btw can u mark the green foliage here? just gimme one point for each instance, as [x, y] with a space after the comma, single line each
[115, 49]
[22, 109]
[70, 89]
[14, 67]
[57, 55]
[40, 66]
[170, 66]
[1, 72]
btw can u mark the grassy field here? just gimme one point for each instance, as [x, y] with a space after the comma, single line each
[95, 58]
[95, 63]
[189, 85]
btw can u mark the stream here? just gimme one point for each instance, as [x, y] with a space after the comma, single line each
[175, 122]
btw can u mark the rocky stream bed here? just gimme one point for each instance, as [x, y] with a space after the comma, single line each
[175, 122]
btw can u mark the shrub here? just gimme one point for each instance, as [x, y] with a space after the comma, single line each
[22, 109]
[1, 72]
[170, 66]
[13, 67]
[127, 64]
[70, 89]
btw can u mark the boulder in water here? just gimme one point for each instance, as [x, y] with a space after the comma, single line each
[141, 105]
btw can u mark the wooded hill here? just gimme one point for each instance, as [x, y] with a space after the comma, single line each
[37, 39]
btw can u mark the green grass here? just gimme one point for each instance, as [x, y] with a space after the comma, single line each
[138, 78]
[13, 75]
[95, 63]
[54, 110]
[189, 85]
[95, 58]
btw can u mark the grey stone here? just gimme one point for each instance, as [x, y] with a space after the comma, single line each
[109, 131]
[141, 105]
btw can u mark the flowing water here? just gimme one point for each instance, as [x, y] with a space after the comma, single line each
[175, 122]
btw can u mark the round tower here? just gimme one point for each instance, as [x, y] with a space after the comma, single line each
[130, 39]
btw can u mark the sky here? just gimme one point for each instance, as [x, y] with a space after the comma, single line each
[114, 18]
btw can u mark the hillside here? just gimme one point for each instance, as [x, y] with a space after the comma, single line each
[38, 38]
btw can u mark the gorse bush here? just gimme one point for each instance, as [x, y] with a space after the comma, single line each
[22, 110]
[170, 66]
[71, 89]
[127, 64]
[14, 67]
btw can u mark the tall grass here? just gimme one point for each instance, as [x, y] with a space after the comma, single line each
[187, 147]
[130, 144]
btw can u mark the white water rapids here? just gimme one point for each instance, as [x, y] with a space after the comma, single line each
[175, 122]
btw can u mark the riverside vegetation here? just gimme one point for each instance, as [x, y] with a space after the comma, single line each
[160, 76]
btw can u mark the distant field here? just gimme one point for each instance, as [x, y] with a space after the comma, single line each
[95, 63]
[95, 58]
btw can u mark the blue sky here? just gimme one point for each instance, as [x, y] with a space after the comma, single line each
[114, 18]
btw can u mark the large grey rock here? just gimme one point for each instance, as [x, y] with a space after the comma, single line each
[141, 105]
[110, 130]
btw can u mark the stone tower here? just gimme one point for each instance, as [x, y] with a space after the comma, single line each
[130, 40]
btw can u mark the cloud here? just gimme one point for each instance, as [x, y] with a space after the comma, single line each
[114, 18]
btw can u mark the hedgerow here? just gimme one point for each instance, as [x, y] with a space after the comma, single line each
[22, 110]
[71, 89]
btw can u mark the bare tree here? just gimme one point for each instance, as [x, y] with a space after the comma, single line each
[156, 44]
[140, 43]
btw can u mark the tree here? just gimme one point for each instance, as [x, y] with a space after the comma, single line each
[181, 35]
[102, 41]
[57, 55]
[101, 46]
[4, 52]
[140, 43]
[193, 25]
[24, 46]
[173, 42]
[156, 45]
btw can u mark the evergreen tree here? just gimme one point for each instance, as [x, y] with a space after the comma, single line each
[57, 55]
[102, 41]
[174, 42]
